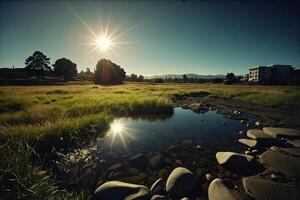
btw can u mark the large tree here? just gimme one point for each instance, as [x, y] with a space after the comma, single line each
[66, 68]
[108, 72]
[37, 64]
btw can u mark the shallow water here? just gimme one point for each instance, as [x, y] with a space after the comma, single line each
[183, 139]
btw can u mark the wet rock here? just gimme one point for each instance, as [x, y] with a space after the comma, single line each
[138, 161]
[290, 151]
[278, 162]
[121, 190]
[162, 173]
[263, 189]
[294, 143]
[221, 190]
[248, 142]
[159, 197]
[257, 123]
[157, 187]
[184, 198]
[181, 182]
[156, 161]
[282, 132]
[199, 172]
[115, 167]
[132, 171]
[178, 162]
[234, 160]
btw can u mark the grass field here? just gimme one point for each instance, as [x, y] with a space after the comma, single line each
[31, 114]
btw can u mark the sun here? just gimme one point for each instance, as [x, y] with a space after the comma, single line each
[104, 42]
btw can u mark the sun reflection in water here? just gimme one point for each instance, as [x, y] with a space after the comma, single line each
[118, 129]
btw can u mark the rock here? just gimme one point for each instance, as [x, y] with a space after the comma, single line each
[263, 189]
[121, 190]
[159, 197]
[273, 176]
[218, 190]
[132, 171]
[199, 171]
[234, 160]
[196, 107]
[178, 162]
[181, 182]
[115, 167]
[162, 173]
[248, 142]
[278, 162]
[247, 152]
[138, 161]
[257, 123]
[291, 151]
[281, 132]
[156, 161]
[257, 134]
[184, 198]
[209, 177]
[157, 187]
[294, 143]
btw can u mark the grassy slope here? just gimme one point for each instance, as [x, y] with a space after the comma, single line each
[35, 113]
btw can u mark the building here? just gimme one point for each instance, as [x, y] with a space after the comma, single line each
[270, 74]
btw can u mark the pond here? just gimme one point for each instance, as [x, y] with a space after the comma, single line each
[158, 144]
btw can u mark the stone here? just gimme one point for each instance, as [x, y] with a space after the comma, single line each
[257, 123]
[209, 177]
[115, 167]
[281, 132]
[257, 134]
[181, 182]
[156, 161]
[162, 173]
[294, 143]
[121, 190]
[248, 142]
[157, 187]
[132, 171]
[138, 161]
[291, 151]
[159, 197]
[196, 107]
[178, 162]
[263, 189]
[184, 198]
[279, 162]
[234, 160]
[218, 190]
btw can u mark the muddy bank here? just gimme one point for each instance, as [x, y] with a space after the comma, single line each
[271, 115]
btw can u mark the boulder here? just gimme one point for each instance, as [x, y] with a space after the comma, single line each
[196, 107]
[234, 160]
[218, 190]
[138, 161]
[159, 197]
[282, 132]
[157, 187]
[181, 182]
[279, 162]
[263, 189]
[120, 190]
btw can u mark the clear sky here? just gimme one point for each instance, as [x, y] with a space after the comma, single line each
[175, 37]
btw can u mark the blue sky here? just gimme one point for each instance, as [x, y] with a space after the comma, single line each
[206, 37]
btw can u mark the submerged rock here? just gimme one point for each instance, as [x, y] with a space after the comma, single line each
[278, 162]
[257, 134]
[159, 197]
[248, 142]
[156, 161]
[181, 182]
[120, 190]
[196, 107]
[263, 189]
[281, 132]
[218, 190]
[234, 160]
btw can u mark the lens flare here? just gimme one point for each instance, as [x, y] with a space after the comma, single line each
[117, 127]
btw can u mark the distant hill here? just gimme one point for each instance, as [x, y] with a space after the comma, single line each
[188, 76]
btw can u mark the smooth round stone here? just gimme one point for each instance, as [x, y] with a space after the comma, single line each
[248, 142]
[181, 182]
[218, 190]
[281, 132]
[294, 143]
[291, 151]
[196, 107]
[209, 177]
[138, 161]
[279, 162]
[156, 161]
[184, 198]
[257, 134]
[159, 197]
[121, 190]
[157, 187]
[263, 189]
[234, 160]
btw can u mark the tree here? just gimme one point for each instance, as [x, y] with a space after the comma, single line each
[65, 68]
[108, 72]
[37, 64]
[133, 77]
[141, 78]
[184, 77]
[230, 78]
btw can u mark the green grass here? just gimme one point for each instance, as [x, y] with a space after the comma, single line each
[31, 115]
